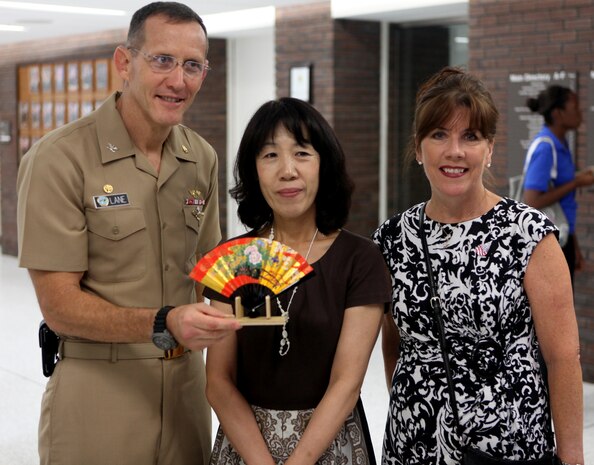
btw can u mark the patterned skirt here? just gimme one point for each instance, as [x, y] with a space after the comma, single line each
[282, 430]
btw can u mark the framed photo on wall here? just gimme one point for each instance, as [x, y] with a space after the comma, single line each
[60, 114]
[46, 78]
[24, 115]
[101, 75]
[86, 107]
[73, 111]
[86, 75]
[48, 115]
[34, 79]
[35, 115]
[72, 76]
[300, 79]
[59, 77]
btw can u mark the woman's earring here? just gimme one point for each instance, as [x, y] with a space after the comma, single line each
[489, 165]
[419, 162]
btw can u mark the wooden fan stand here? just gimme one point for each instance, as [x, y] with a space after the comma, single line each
[266, 320]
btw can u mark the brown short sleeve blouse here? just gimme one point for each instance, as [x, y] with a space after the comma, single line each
[351, 273]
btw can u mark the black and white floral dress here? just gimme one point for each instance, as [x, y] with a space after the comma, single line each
[479, 266]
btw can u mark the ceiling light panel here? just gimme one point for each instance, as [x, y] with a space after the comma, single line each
[55, 8]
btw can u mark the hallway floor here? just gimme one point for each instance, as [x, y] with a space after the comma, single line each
[22, 383]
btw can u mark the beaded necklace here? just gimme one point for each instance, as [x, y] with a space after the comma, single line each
[285, 344]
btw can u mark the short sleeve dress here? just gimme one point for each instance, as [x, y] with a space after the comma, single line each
[284, 390]
[502, 399]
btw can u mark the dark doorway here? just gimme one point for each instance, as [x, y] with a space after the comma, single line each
[418, 52]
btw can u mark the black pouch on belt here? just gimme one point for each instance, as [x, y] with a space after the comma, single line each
[48, 341]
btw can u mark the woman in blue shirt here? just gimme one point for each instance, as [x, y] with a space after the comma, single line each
[561, 111]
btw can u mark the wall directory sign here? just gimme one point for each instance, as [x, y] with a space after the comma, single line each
[522, 124]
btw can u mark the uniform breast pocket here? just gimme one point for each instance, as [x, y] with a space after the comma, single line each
[192, 218]
[118, 244]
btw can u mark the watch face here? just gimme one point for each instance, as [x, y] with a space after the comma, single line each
[164, 341]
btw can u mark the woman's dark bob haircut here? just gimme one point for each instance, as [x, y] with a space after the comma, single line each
[440, 96]
[308, 126]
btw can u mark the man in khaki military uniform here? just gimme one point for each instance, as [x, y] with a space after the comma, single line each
[113, 210]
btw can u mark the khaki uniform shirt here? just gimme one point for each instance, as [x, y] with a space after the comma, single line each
[90, 202]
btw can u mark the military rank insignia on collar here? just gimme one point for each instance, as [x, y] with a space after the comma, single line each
[111, 200]
[198, 201]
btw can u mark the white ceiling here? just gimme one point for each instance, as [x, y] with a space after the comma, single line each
[42, 24]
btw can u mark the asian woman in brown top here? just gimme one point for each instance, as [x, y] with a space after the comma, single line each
[290, 394]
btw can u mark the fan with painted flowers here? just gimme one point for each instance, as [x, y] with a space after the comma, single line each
[247, 271]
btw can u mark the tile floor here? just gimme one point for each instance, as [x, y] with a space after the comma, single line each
[22, 384]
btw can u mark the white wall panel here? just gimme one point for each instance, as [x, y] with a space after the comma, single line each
[251, 82]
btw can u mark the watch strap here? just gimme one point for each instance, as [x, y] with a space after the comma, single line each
[160, 323]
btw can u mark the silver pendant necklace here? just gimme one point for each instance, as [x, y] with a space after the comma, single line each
[285, 344]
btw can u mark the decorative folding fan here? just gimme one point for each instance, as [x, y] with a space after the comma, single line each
[251, 268]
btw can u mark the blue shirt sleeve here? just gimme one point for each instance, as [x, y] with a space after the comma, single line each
[538, 174]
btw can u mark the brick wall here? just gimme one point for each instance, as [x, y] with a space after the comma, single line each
[8, 159]
[345, 62]
[508, 36]
[356, 114]
[207, 115]
[305, 35]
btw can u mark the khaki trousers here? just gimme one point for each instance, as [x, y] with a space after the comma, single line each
[128, 412]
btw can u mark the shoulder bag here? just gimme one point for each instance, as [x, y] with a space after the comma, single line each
[554, 211]
[471, 455]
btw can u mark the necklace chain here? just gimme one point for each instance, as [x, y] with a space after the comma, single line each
[285, 343]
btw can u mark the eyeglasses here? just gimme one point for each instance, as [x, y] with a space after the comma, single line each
[167, 63]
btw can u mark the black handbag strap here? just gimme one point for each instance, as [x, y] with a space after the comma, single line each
[436, 307]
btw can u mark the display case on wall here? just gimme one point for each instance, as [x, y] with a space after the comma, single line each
[33, 75]
[53, 94]
[59, 114]
[86, 76]
[47, 79]
[101, 75]
[73, 111]
[59, 78]
[72, 80]
[47, 111]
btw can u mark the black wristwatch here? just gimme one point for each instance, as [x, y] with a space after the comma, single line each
[162, 338]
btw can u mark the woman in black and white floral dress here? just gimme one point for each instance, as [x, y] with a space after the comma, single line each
[504, 288]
